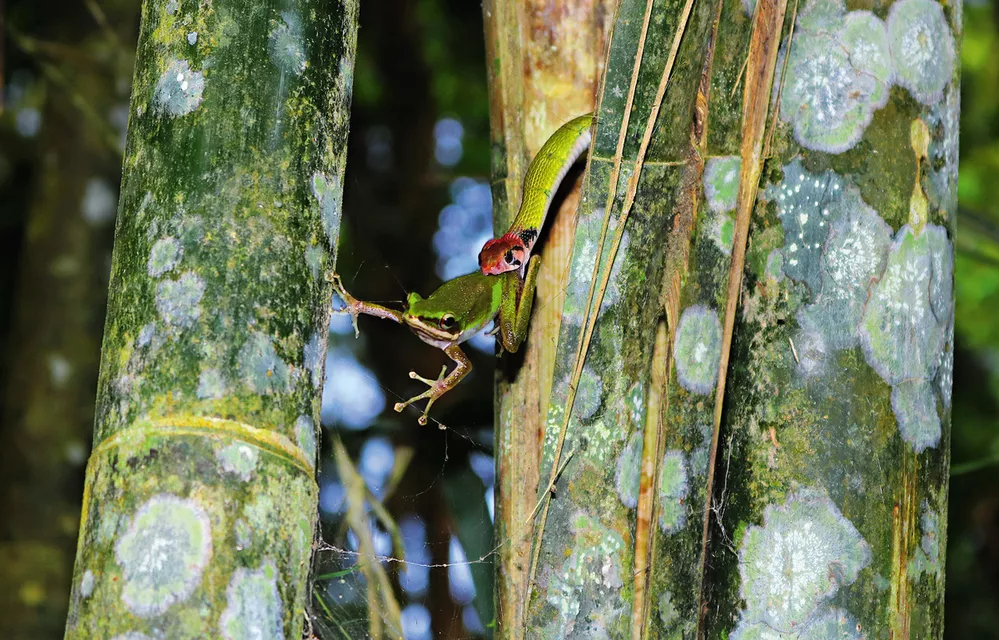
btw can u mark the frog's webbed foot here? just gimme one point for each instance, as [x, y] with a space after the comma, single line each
[437, 388]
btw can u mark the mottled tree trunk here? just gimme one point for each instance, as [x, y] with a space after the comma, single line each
[544, 69]
[200, 499]
[54, 345]
[747, 433]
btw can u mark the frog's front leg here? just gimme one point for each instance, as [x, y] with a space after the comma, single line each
[355, 307]
[516, 304]
[442, 384]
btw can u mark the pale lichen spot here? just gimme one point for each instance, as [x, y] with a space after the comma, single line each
[775, 265]
[253, 606]
[698, 348]
[829, 624]
[314, 354]
[853, 257]
[944, 120]
[211, 384]
[945, 368]
[261, 368]
[87, 584]
[583, 262]
[805, 204]
[922, 47]
[99, 202]
[673, 487]
[192, 38]
[132, 635]
[721, 182]
[163, 554]
[810, 352]
[838, 73]
[314, 260]
[305, 435]
[164, 255]
[794, 563]
[238, 459]
[926, 558]
[146, 335]
[589, 394]
[178, 301]
[172, 6]
[902, 333]
[866, 39]
[629, 468]
[668, 615]
[179, 90]
[592, 568]
[328, 191]
[721, 229]
[915, 408]
[286, 45]
[243, 534]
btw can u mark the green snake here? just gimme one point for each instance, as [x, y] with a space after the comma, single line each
[513, 249]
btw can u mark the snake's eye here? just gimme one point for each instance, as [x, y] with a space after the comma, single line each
[447, 321]
[511, 259]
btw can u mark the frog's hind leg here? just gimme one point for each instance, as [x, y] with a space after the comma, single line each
[441, 385]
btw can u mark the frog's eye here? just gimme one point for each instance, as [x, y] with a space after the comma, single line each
[446, 321]
[511, 259]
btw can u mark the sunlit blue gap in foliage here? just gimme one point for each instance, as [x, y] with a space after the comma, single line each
[377, 458]
[448, 133]
[470, 618]
[459, 575]
[485, 468]
[414, 575]
[464, 225]
[352, 398]
[331, 497]
[415, 622]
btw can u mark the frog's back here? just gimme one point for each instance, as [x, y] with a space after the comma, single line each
[475, 297]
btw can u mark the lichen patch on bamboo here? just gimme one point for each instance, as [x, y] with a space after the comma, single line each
[673, 487]
[328, 191]
[592, 567]
[179, 301]
[721, 182]
[305, 435]
[287, 45]
[626, 478]
[211, 384]
[838, 75]
[791, 566]
[922, 47]
[238, 459]
[263, 371]
[697, 349]
[313, 357]
[179, 89]
[87, 584]
[926, 558]
[163, 553]
[253, 608]
[164, 255]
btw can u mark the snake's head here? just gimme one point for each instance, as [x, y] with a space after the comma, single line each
[503, 254]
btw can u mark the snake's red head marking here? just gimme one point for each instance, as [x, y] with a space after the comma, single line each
[503, 254]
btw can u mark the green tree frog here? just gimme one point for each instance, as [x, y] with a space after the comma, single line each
[457, 310]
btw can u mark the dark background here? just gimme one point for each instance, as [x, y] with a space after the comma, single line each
[418, 160]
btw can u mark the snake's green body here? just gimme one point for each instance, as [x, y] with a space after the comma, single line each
[513, 249]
